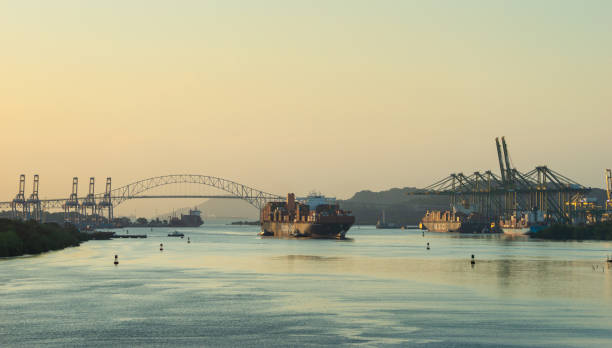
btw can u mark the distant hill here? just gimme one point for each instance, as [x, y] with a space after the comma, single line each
[399, 206]
[219, 208]
[402, 208]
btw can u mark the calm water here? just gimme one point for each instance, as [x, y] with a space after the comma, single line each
[381, 288]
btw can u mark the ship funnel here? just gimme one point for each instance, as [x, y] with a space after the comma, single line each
[291, 202]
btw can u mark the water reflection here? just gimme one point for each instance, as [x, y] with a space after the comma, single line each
[306, 258]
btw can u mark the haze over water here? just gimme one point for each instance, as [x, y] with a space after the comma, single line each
[230, 287]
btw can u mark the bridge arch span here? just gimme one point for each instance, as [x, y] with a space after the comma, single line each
[253, 196]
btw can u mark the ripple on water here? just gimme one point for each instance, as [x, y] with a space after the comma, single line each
[231, 288]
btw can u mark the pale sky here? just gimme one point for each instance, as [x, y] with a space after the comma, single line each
[290, 96]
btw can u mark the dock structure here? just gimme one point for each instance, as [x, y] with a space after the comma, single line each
[19, 203]
[129, 236]
[541, 190]
[72, 206]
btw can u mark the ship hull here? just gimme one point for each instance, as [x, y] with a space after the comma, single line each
[457, 226]
[305, 229]
[516, 231]
[387, 227]
[442, 226]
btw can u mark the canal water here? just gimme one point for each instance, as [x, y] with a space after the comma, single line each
[229, 287]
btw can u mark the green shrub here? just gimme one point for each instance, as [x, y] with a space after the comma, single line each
[19, 237]
[10, 244]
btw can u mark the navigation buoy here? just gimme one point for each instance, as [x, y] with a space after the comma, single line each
[116, 260]
[161, 246]
[473, 261]
[427, 245]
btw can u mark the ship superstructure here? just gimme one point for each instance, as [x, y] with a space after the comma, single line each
[193, 219]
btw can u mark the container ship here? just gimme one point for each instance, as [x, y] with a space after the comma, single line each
[523, 222]
[314, 216]
[449, 221]
[193, 219]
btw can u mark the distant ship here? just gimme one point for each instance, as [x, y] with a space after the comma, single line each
[193, 219]
[381, 223]
[523, 223]
[315, 216]
[449, 221]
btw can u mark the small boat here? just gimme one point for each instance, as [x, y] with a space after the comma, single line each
[176, 234]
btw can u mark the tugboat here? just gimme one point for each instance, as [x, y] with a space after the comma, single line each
[176, 234]
[314, 216]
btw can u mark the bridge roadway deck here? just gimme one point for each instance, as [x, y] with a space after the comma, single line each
[57, 202]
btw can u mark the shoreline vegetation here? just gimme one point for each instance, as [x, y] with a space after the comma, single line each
[598, 231]
[30, 237]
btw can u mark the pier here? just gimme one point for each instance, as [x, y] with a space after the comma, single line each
[129, 236]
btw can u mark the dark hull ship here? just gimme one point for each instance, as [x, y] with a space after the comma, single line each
[314, 217]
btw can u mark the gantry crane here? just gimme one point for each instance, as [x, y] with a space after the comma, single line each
[608, 189]
[541, 190]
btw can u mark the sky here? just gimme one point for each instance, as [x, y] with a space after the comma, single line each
[291, 96]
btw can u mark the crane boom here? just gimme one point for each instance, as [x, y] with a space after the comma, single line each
[506, 156]
[501, 162]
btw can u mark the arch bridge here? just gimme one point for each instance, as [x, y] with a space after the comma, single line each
[102, 204]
